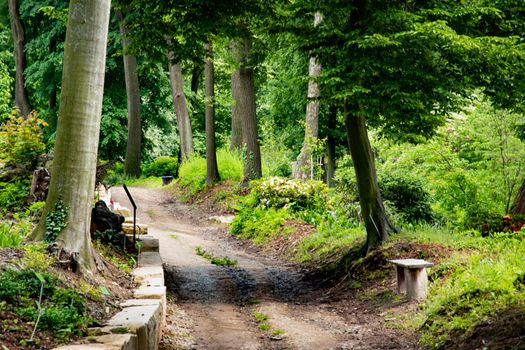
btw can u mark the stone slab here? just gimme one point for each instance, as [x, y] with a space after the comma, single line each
[129, 220]
[107, 342]
[412, 263]
[122, 211]
[144, 321]
[141, 273]
[152, 282]
[149, 259]
[140, 229]
[151, 293]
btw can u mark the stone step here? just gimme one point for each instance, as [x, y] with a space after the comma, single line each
[141, 229]
[106, 342]
[149, 259]
[142, 273]
[147, 243]
[143, 318]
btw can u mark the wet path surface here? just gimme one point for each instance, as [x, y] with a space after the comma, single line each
[212, 307]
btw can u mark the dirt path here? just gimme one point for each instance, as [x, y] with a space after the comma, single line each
[212, 307]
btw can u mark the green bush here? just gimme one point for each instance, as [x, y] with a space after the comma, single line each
[21, 140]
[162, 166]
[13, 194]
[408, 197]
[17, 286]
[277, 192]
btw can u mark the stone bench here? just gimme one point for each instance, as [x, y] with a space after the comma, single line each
[412, 277]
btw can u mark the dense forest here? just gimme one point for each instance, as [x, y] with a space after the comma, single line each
[340, 134]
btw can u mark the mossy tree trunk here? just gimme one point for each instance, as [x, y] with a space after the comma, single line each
[181, 108]
[132, 161]
[75, 159]
[518, 206]
[377, 223]
[244, 100]
[212, 171]
[18, 34]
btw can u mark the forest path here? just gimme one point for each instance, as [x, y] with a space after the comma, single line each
[212, 307]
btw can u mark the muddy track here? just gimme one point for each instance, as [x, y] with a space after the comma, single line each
[212, 306]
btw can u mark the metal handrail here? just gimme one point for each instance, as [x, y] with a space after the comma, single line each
[134, 212]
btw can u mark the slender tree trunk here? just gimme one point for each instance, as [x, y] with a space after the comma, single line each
[132, 162]
[236, 135]
[330, 146]
[518, 206]
[244, 100]
[196, 76]
[212, 172]
[377, 223]
[75, 159]
[181, 109]
[311, 129]
[17, 30]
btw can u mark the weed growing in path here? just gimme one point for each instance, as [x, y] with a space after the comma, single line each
[220, 261]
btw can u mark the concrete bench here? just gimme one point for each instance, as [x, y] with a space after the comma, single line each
[412, 277]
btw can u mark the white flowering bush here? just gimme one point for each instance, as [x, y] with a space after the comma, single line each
[278, 192]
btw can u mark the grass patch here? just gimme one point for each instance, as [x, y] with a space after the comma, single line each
[174, 236]
[259, 316]
[125, 262]
[220, 261]
[192, 173]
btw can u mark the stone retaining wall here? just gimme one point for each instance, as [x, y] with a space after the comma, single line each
[138, 326]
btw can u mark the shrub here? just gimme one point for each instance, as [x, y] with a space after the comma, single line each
[258, 224]
[277, 192]
[408, 197]
[13, 194]
[162, 166]
[21, 140]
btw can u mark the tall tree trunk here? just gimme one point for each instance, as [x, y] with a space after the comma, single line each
[181, 109]
[377, 223]
[17, 30]
[212, 172]
[311, 129]
[236, 126]
[518, 206]
[330, 146]
[75, 159]
[132, 162]
[244, 100]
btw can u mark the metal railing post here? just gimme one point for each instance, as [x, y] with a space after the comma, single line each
[134, 212]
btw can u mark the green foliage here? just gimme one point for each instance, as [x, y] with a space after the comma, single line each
[8, 236]
[276, 192]
[17, 287]
[490, 281]
[56, 221]
[21, 140]
[162, 166]
[220, 261]
[64, 310]
[192, 172]
[36, 257]
[259, 224]
[13, 231]
[14, 194]
[408, 197]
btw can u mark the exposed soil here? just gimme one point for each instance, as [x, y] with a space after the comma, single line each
[212, 307]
